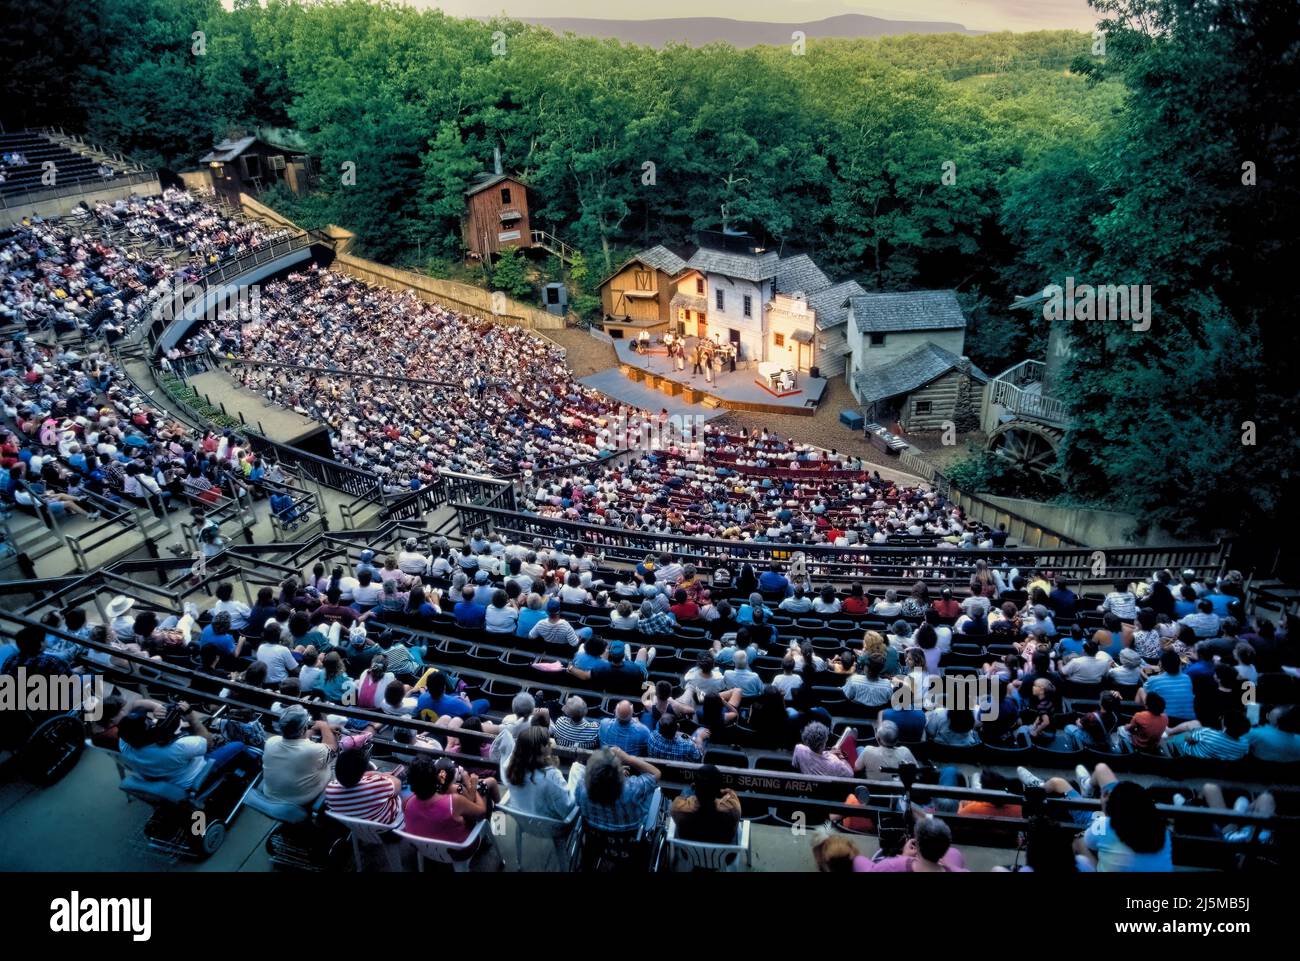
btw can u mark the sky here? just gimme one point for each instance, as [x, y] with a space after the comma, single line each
[1016, 15]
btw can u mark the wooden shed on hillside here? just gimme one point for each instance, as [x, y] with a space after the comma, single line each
[496, 216]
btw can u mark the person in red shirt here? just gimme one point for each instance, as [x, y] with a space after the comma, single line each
[946, 607]
[684, 609]
[856, 602]
[1147, 728]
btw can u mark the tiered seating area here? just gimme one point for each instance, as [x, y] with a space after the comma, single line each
[833, 647]
[35, 150]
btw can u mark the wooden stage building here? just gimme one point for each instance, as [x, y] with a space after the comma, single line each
[738, 390]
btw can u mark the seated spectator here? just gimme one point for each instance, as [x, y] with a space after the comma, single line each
[1172, 685]
[572, 728]
[500, 617]
[438, 701]
[885, 755]
[1128, 672]
[468, 613]
[929, 850]
[625, 732]
[1129, 834]
[707, 812]
[446, 801]
[533, 780]
[741, 677]
[554, 629]
[1090, 667]
[1278, 739]
[670, 744]
[296, 769]
[617, 793]
[1146, 731]
[155, 749]
[1194, 739]
[811, 755]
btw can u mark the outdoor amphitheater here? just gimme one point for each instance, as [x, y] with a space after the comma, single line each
[260, 537]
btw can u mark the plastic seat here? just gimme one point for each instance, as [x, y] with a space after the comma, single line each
[563, 834]
[458, 855]
[697, 855]
[368, 832]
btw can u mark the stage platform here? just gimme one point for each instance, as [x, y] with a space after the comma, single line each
[614, 385]
[730, 391]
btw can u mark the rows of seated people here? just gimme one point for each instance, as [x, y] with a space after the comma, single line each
[63, 275]
[24, 156]
[311, 641]
[78, 439]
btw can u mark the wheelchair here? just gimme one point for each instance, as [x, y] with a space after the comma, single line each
[193, 822]
[44, 746]
[303, 839]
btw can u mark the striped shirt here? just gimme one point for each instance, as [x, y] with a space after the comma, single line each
[570, 733]
[1215, 745]
[1176, 689]
[373, 798]
[1122, 605]
[555, 632]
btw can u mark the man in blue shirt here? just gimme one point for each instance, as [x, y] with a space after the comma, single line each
[625, 732]
[436, 702]
[1173, 685]
[772, 581]
[1063, 601]
[467, 613]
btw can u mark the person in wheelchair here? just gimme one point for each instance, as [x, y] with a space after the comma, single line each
[156, 750]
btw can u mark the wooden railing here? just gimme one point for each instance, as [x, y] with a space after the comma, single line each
[1007, 390]
[900, 563]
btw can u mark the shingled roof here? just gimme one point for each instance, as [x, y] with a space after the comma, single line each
[228, 150]
[661, 258]
[751, 267]
[832, 304]
[912, 310]
[799, 275]
[910, 372]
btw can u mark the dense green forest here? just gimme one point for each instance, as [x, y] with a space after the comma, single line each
[1120, 168]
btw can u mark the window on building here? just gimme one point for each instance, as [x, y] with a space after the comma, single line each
[505, 195]
[777, 339]
[877, 340]
[720, 299]
[699, 286]
[747, 306]
[252, 166]
[923, 406]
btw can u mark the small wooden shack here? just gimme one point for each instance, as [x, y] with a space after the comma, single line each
[496, 216]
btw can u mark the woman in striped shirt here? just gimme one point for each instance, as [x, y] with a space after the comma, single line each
[358, 792]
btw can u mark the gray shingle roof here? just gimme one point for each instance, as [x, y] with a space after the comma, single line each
[491, 181]
[831, 304]
[661, 258]
[751, 267]
[798, 274]
[227, 150]
[913, 310]
[913, 370]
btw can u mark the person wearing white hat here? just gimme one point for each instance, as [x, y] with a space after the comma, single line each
[120, 620]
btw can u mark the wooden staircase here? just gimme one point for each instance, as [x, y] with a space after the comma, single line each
[553, 244]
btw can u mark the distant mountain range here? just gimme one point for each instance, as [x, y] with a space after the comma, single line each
[697, 31]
